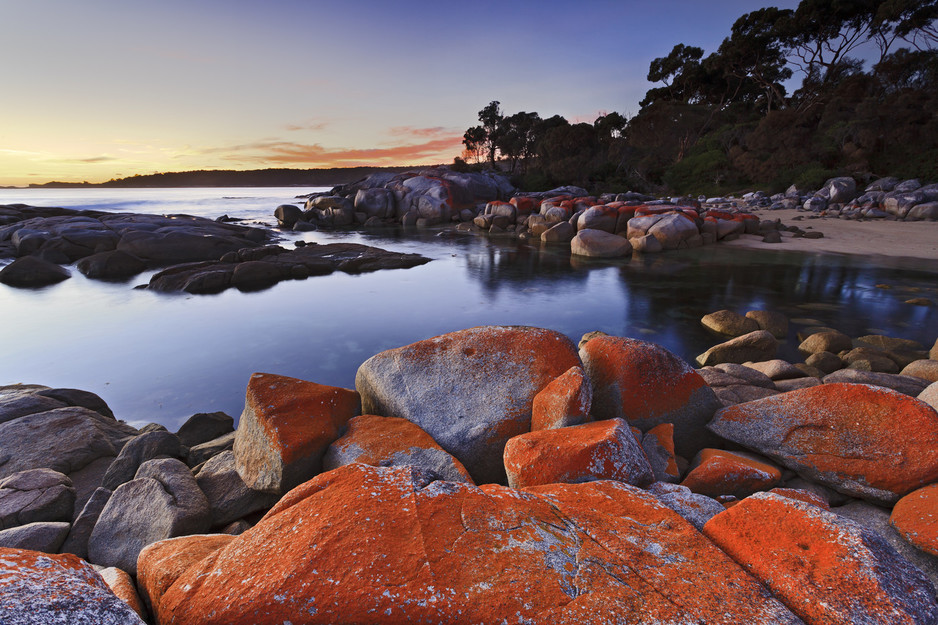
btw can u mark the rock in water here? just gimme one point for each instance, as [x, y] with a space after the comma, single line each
[756, 346]
[365, 544]
[40, 589]
[861, 440]
[285, 429]
[470, 390]
[824, 567]
[647, 385]
[31, 271]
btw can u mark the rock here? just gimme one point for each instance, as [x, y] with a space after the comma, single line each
[861, 440]
[924, 369]
[17, 401]
[875, 359]
[122, 585]
[839, 190]
[599, 244]
[746, 374]
[602, 450]
[805, 496]
[40, 589]
[770, 321]
[877, 519]
[64, 439]
[796, 383]
[826, 568]
[715, 472]
[755, 346]
[772, 237]
[161, 563]
[203, 427]
[825, 361]
[742, 393]
[111, 265]
[80, 533]
[285, 429]
[392, 441]
[915, 517]
[287, 215]
[933, 353]
[137, 451]
[905, 384]
[927, 211]
[930, 395]
[564, 402]
[602, 218]
[35, 495]
[32, 271]
[826, 342]
[673, 230]
[777, 369]
[441, 384]
[45, 536]
[228, 496]
[375, 203]
[647, 385]
[729, 323]
[646, 244]
[487, 554]
[200, 453]
[696, 509]
[561, 232]
[658, 444]
[162, 501]
[88, 479]
[77, 397]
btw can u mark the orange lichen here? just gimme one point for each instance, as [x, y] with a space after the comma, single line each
[916, 518]
[717, 472]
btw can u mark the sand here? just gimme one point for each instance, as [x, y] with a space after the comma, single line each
[894, 239]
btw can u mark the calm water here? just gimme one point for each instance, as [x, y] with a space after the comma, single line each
[158, 357]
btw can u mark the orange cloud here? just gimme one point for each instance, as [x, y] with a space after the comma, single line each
[315, 126]
[411, 131]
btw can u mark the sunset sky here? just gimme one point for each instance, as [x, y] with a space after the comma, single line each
[96, 89]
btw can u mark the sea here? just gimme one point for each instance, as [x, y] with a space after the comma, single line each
[157, 357]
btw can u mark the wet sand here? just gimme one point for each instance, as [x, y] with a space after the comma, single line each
[897, 239]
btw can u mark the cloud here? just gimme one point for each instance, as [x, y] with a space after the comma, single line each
[94, 159]
[314, 126]
[411, 131]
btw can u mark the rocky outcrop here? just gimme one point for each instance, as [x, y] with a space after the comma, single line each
[35, 495]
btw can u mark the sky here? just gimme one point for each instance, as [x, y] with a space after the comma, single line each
[98, 89]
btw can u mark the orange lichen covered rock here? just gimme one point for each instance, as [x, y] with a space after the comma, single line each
[565, 401]
[42, 589]
[524, 205]
[824, 567]
[122, 585]
[802, 495]
[658, 444]
[365, 544]
[392, 442]
[602, 450]
[916, 518]
[285, 429]
[160, 564]
[647, 385]
[715, 472]
[864, 441]
[470, 390]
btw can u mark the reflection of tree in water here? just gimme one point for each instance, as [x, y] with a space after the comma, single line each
[510, 264]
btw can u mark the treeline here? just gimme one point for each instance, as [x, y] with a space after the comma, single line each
[726, 121]
[281, 177]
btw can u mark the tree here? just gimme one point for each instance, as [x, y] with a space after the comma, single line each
[754, 54]
[681, 74]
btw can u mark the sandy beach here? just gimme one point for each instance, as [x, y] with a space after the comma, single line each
[894, 239]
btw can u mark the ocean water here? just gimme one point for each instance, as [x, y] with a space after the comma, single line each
[163, 357]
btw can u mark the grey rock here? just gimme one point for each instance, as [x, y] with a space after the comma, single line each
[770, 321]
[599, 244]
[742, 393]
[31, 271]
[88, 479]
[930, 395]
[200, 453]
[35, 495]
[697, 509]
[65, 439]
[46, 537]
[793, 384]
[906, 384]
[826, 341]
[777, 369]
[755, 346]
[139, 450]
[14, 405]
[80, 533]
[825, 361]
[203, 427]
[287, 215]
[229, 498]
[162, 501]
[729, 323]
[111, 265]
[746, 374]
[561, 232]
[77, 397]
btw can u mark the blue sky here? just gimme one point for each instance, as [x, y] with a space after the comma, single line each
[104, 88]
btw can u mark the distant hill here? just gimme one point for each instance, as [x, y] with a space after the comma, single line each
[233, 178]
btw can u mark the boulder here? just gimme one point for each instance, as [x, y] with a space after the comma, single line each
[375, 203]
[930, 395]
[864, 441]
[602, 218]
[203, 427]
[825, 361]
[869, 359]
[729, 323]
[794, 384]
[470, 390]
[647, 385]
[32, 271]
[927, 211]
[137, 451]
[200, 453]
[673, 230]
[285, 429]
[162, 501]
[35, 495]
[122, 585]
[111, 265]
[444, 552]
[287, 215]
[905, 384]
[658, 444]
[755, 346]
[389, 442]
[565, 401]
[41, 589]
[777, 369]
[561, 232]
[161, 563]
[64, 439]
[229, 498]
[80, 533]
[839, 190]
[833, 342]
[602, 450]
[19, 400]
[824, 567]
[599, 244]
[645, 244]
[696, 509]
[807, 496]
[742, 393]
[746, 374]
[77, 397]
[45, 536]
[915, 517]
[715, 472]
[924, 369]
[770, 321]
